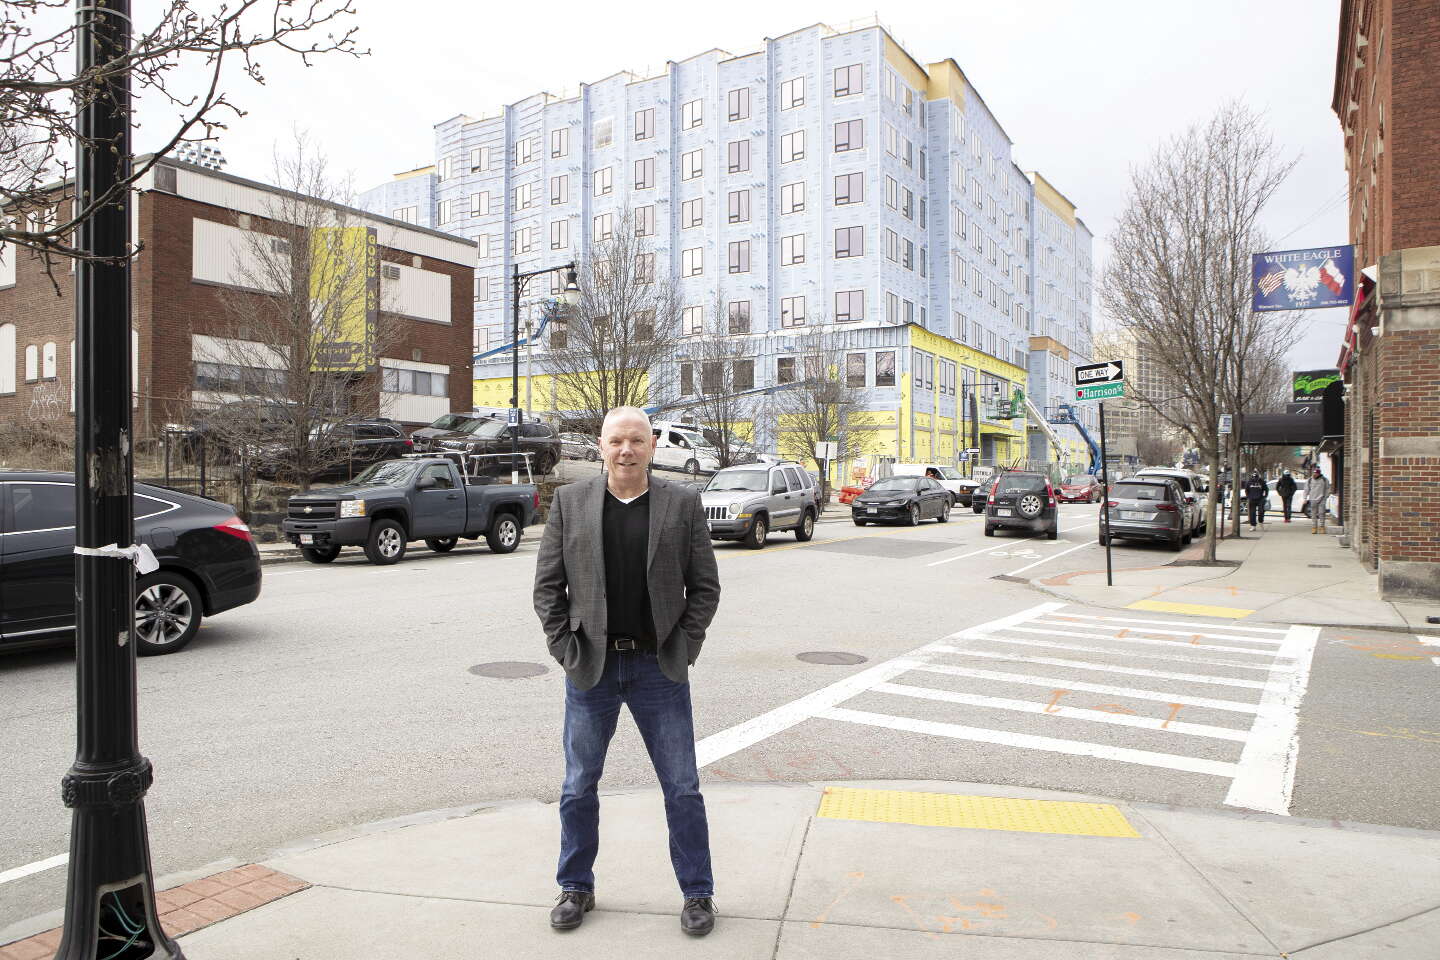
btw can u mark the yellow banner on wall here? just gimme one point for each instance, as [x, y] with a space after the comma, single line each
[344, 298]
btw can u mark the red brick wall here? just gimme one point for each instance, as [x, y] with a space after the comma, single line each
[41, 305]
[1408, 488]
[1412, 137]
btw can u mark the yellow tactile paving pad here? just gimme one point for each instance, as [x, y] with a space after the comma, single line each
[975, 812]
[1192, 609]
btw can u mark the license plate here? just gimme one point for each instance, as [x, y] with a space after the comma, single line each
[1002, 512]
[1134, 515]
[872, 509]
[307, 538]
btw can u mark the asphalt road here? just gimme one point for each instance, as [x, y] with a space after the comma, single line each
[345, 696]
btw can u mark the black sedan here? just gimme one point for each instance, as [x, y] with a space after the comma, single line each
[208, 562]
[901, 499]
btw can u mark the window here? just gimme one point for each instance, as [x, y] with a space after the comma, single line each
[691, 262]
[855, 370]
[645, 173]
[907, 203]
[692, 164]
[849, 135]
[737, 102]
[43, 506]
[792, 147]
[604, 132]
[917, 365]
[645, 123]
[687, 379]
[892, 140]
[885, 368]
[849, 188]
[415, 382]
[447, 168]
[849, 305]
[524, 150]
[924, 259]
[849, 80]
[560, 142]
[907, 254]
[604, 181]
[479, 204]
[482, 246]
[792, 250]
[559, 190]
[849, 242]
[405, 214]
[692, 114]
[523, 196]
[692, 321]
[742, 375]
[785, 370]
[740, 256]
[792, 311]
[792, 198]
[692, 213]
[892, 308]
[559, 234]
[644, 268]
[738, 152]
[559, 333]
[739, 206]
[482, 288]
[739, 316]
[907, 99]
[909, 311]
[524, 239]
[711, 376]
[892, 246]
[792, 93]
[445, 211]
[907, 152]
[645, 221]
[7, 357]
[605, 226]
[892, 193]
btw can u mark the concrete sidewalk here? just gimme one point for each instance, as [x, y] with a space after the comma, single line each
[1277, 572]
[801, 873]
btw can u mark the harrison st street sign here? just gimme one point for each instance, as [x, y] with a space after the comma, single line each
[1100, 381]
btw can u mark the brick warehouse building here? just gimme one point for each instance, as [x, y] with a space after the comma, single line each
[1387, 98]
[193, 223]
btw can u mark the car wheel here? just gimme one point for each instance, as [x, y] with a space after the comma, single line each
[944, 513]
[1177, 544]
[978, 507]
[1030, 506]
[1053, 533]
[319, 554]
[1103, 540]
[860, 523]
[989, 530]
[806, 530]
[386, 544]
[912, 519]
[167, 613]
[442, 544]
[504, 534]
[755, 537]
[1185, 540]
[950, 502]
[692, 467]
[592, 455]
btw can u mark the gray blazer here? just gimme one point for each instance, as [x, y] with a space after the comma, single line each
[570, 578]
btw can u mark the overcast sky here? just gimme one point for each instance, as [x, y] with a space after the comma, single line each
[1085, 90]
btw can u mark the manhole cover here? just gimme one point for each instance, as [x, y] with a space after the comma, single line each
[831, 657]
[508, 670]
[1319, 566]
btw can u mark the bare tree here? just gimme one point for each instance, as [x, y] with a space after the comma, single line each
[816, 404]
[41, 93]
[616, 346]
[717, 369]
[1178, 280]
[302, 327]
[1156, 450]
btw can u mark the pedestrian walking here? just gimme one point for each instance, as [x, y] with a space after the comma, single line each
[1286, 487]
[1317, 498]
[625, 587]
[1256, 492]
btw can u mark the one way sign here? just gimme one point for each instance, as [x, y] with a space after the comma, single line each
[1110, 371]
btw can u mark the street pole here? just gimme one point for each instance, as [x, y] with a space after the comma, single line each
[1105, 492]
[514, 417]
[110, 889]
[529, 337]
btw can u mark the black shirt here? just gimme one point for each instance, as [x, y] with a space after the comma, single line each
[625, 530]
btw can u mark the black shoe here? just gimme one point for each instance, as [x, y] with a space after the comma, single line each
[570, 912]
[697, 917]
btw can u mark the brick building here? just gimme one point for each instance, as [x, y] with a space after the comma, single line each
[1387, 98]
[197, 227]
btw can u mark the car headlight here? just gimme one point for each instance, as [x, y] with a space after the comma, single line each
[735, 508]
[352, 508]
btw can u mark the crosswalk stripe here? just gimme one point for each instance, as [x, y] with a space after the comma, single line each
[1110, 668]
[1087, 714]
[1182, 633]
[1052, 632]
[1219, 768]
[1266, 777]
[1233, 706]
[1082, 648]
[1178, 623]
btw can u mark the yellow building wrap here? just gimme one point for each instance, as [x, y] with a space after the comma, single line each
[344, 298]
[546, 393]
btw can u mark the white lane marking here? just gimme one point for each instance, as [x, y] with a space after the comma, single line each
[1110, 668]
[1429, 642]
[717, 746]
[966, 556]
[1082, 648]
[1052, 556]
[39, 866]
[1266, 777]
[1176, 643]
[288, 573]
[1080, 748]
[1179, 623]
[1089, 714]
[1234, 706]
[1150, 631]
[1004, 623]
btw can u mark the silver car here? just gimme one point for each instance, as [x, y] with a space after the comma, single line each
[579, 446]
[1145, 508]
[747, 502]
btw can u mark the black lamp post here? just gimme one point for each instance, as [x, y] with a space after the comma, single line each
[110, 893]
[569, 296]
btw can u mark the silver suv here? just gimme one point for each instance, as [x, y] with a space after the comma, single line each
[747, 502]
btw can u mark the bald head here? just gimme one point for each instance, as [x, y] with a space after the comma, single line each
[625, 414]
[627, 443]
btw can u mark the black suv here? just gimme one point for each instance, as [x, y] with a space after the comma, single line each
[1023, 501]
[354, 445]
[491, 439]
[208, 562]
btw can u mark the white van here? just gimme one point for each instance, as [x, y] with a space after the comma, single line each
[961, 487]
[680, 448]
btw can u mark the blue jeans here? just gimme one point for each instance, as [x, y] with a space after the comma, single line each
[661, 708]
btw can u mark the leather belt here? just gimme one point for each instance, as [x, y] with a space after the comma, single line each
[622, 644]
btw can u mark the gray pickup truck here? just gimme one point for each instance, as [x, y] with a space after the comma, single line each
[398, 501]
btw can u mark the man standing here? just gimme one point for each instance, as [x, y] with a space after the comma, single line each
[1285, 487]
[1317, 497]
[1256, 493]
[625, 587]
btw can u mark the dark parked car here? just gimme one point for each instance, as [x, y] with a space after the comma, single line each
[442, 425]
[982, 494]
[903, 499]
[1022, 501]
[1145, 508]
[1081, 488]
[491, 440]
[350, 448]
[208, 562]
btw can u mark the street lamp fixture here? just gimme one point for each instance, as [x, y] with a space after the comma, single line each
[569, 295]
